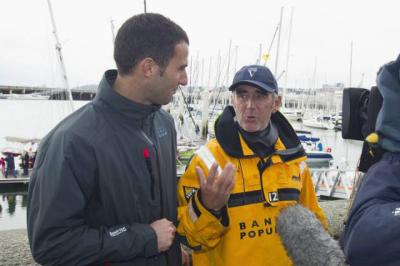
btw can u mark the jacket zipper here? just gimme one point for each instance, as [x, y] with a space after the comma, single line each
[266, 203]
[158, 155]
[152, 181]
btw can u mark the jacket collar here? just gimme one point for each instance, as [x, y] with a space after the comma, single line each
[127, 108]
[288, 145]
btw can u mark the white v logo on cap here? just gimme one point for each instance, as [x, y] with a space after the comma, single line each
[252, 70]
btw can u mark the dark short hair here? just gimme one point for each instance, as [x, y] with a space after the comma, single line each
[146, 35]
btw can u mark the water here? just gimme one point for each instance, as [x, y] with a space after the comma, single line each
[346, 153]
[42, 116]
[13, 210]
[13, 214]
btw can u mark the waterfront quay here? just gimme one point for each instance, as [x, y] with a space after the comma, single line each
[19, 183]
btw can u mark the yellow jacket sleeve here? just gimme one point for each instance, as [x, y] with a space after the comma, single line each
[195, 222]
[308, 197]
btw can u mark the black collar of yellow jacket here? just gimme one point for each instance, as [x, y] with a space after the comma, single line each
[288, 146]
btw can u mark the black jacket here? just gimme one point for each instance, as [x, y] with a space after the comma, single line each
[93, 194]
[372, 235]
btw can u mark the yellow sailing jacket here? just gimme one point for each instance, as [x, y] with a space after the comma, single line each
[246, 233]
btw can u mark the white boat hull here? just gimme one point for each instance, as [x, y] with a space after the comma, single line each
[318, 124]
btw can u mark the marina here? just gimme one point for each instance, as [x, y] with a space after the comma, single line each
[333, 180]
[106, 171]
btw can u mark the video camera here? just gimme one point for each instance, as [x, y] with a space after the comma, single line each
[376, 110]
[360, 109]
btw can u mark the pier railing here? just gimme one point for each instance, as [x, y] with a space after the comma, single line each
[335, 183]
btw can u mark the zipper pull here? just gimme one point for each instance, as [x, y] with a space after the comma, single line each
[146, 155]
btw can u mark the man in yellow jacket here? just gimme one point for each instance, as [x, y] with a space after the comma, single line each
[236, 185]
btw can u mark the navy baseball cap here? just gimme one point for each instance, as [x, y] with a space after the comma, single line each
[255, 75]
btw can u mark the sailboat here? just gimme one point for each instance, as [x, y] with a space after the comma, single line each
[26, 118]
[321, 122]
[316, 155]
[291, 114]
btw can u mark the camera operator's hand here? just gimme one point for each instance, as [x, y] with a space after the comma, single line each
[215, 190]
[165, 231]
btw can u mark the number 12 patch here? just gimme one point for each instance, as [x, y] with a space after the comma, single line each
[273, 196]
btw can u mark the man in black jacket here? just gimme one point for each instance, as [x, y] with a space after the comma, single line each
[103, 189]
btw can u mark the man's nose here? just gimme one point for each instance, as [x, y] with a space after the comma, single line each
[184, 79]
[250, 102]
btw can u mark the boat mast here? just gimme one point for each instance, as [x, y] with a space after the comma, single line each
[229, 63]
[209, 73]
[287, 59]
[112, 31]
[277, 46]
[361, 81]
[270, 45]
[351, 62]
[314, 83]
[236, 56]
[60, 57]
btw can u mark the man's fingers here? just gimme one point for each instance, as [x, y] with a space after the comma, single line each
[229, 169]
[212, 174]
[173, 228]
[227, 177]
[201, 176]
[230, 184]
[223, 183]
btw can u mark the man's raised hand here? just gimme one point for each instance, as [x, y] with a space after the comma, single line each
[216, 189]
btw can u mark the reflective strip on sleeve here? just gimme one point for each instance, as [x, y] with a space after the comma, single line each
[302, 167]
[208, 158]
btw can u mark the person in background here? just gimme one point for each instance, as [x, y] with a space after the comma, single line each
[2, 166]
[32, 160]
[103, 189]
[372, 235]
[228, 217]
[25, 164]
[10, 168]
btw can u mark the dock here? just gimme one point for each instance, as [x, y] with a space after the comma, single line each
[21, 180]
[14, 184]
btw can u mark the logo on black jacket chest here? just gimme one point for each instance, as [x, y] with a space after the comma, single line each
[162, 132]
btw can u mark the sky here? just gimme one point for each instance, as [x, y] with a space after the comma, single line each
[320, 46]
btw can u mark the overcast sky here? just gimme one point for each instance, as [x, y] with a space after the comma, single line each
[321, 37]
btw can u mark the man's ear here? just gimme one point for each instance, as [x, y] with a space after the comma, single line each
[232, 97]
[148, 67]
[277, 103]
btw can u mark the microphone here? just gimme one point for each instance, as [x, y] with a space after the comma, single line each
[305, 239]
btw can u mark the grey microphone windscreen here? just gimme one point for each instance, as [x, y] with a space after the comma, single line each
[306, 241]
